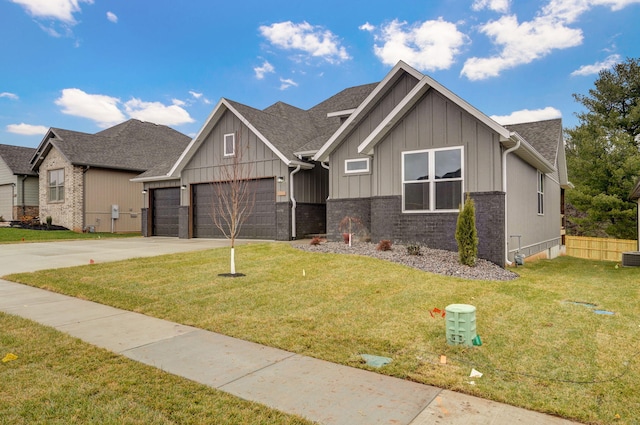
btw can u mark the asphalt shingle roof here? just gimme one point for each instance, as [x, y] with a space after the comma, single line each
[132, 145]
[544, 136]
[17, 159]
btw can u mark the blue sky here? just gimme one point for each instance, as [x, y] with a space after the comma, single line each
[86, 65]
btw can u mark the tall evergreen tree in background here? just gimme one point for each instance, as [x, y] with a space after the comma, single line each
[603, 156]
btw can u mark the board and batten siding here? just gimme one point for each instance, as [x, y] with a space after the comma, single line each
[360, 185]
[104, 188]
[537, 232]
[205, 166]
[436, 122]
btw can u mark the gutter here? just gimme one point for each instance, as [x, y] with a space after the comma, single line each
[504, 189]
[293, 203]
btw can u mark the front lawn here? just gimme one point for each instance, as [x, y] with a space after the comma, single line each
[19, 235]
[542, 349]
[61, 380]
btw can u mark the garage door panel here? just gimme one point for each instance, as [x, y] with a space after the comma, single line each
[260, 224]
[6, 202]
[166, 205]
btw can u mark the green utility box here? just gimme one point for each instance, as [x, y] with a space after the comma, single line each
[460, 320]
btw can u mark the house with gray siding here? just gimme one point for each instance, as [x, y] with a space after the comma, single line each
[406, 157]
[274, 145]
[85, 179]
[18, 183]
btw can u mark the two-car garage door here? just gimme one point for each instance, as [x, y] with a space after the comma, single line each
[261, 224]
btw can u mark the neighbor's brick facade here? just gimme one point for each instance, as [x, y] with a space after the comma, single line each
[67, 213]
[383, 218]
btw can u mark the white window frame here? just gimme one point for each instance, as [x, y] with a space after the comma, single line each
[59, 187]
[432, 180]
[226, 138]
[359, 171]
[540, 189]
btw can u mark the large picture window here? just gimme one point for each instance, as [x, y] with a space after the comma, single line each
[56, 185]
[432, 180]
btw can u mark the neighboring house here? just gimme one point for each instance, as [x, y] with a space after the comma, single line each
[403, 161]
[18, 183]
[399, 155]
[291, 190]
[85, 178]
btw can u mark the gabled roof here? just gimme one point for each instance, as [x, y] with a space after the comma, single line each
[425, 83]
[17, 159]
[132, 145]
[286, 130]
[546, 138]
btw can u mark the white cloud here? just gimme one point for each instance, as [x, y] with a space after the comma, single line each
[97, 107]
[27, 129]
[527, 115]
[313, 40]
[266, 68]
[195, 94]
[596, 67]
[61, 10]
[367, 27]
[8, 95]
[157, 112]
[286, 83]
[521, 43]
[112, 17]
[501, 6]
[430, 45]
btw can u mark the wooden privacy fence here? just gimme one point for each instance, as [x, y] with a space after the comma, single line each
[599, 248]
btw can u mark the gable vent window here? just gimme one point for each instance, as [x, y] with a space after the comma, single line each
[432, 180]
[353, 166]
[540, 193]
[229, 144]
[56, 185]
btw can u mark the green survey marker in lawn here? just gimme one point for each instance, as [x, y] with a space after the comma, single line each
[540, 350]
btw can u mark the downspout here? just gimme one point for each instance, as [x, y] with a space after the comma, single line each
[293, 203]
[504, 189]
[24, 206]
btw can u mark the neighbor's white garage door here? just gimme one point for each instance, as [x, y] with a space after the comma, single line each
[6, 201]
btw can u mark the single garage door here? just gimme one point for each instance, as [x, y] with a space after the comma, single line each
[6, 201]
[166, 203]
[261, 224]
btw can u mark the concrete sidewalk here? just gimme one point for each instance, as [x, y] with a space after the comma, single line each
[315, 389]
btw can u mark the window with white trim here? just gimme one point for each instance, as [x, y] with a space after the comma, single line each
[432, 180]
[540, 193]
[56, 185]
[229, 144]
[359, 165]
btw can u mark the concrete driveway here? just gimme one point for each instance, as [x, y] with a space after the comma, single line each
[27, 257]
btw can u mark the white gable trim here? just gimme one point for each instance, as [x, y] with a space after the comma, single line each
[217, 113]
[323, 153]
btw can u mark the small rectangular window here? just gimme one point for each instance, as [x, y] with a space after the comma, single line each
[360, 165]
[540, 193]
[56, 185]
[229, 144]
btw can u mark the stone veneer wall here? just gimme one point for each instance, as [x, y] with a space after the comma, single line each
[69, 213]
[384, 219]
[20, 211]
[283, 221]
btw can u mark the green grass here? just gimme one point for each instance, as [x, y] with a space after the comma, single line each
[18, 235]
[61, 380]
[539, 350]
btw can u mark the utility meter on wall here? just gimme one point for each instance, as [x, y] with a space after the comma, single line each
[115, 211]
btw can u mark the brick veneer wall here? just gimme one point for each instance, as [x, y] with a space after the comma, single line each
[26, 210]
[384, 218]
[283, 221]
[68, 213]
[310, 219]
